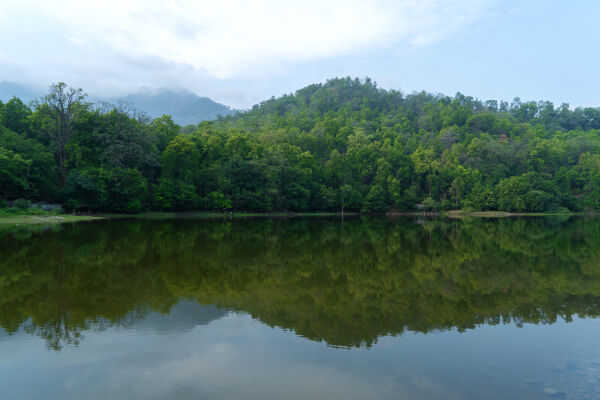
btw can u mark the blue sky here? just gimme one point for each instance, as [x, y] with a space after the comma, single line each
[239, 52]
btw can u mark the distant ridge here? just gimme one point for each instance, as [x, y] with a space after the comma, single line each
[23, 92]
[184, 106]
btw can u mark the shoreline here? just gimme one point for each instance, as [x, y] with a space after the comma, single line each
[27, 219]
[509, 214]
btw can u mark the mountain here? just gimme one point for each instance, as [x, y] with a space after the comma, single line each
[23, 92]
[184, 106]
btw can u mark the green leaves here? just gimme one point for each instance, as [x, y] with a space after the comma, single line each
[102, 189]
[14, 171]
[342, 144]
[181, 158]
[375, 200]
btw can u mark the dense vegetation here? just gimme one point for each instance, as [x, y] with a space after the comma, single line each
[345, 144]
[343, 283]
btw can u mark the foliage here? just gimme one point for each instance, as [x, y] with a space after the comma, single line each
[22, 204]
[345, 144]
[119, 189]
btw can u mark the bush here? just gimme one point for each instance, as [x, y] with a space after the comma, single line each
[36, 211]
[22, 204]
[430, 204]
[217, 201]
[560, 210]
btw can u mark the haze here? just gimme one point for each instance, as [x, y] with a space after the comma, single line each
[242, 52]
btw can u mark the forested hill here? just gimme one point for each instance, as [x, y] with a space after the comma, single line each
[342, 144]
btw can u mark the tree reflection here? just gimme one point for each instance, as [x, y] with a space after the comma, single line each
[345, 284]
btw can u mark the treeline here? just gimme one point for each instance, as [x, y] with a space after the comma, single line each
[342, 145]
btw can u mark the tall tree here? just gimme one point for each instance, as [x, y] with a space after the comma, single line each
[64, 106]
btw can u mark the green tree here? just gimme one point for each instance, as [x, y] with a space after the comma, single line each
[15, 115]
[63, 106]
[375, 200]
[163, 131]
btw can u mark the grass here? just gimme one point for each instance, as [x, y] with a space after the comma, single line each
[44, 219]
[24, 217]
[36, 215]
[506, 214]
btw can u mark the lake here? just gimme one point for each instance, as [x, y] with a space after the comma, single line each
[301, 308]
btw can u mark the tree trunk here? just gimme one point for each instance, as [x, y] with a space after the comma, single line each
[61, 164]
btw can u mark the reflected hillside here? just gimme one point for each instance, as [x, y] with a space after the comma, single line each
[345, 284]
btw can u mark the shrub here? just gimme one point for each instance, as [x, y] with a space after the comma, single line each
[22, 204]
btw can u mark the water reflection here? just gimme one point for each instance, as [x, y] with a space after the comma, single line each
[346, 285]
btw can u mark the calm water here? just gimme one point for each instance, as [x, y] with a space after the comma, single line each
[301, 309]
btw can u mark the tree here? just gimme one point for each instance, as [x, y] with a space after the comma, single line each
[425, 163]
[336, 170]
[36, 173]
[344, 144]
[15, 114]
[164, 130]
[180, 158]
[170, 194]
[63, 106]
[13, 174]
[375, 201]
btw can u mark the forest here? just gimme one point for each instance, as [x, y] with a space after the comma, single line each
[343, 145]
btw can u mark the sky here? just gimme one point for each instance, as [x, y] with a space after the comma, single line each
[240, 52]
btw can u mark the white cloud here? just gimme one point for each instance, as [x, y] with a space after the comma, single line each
[220, 39]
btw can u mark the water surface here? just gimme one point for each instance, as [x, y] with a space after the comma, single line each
[301, 308]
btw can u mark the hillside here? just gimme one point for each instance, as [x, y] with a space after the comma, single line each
[347, 141]
[344, 144]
